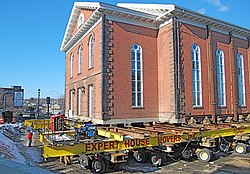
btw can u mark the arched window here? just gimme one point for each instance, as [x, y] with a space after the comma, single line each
[71, 64]
[137, 82]
[80, 20]
[80, 59]
[221, 78]
[241, 80]
[91, 51]
[196, 75]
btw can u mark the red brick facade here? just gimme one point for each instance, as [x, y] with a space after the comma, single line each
[165, 83]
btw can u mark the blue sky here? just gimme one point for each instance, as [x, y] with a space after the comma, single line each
[31, 33]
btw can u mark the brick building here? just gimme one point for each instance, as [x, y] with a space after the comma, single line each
[11, 99]
[129, 63]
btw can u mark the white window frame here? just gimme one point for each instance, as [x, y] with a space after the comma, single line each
[137, 75]
[91, 51]
[80, 20]
[90, 100]
[241, 80]
[71, 99]
[80, 59]
[221, 82]
[79, 101]
[71, 65]
[196, 76]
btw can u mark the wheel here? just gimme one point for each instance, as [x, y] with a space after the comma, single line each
[140, 156]
[240, 148]
[99, 165]
[84, 161]
[204, 155]
[224, 147]
[187, 154]
[156, 159]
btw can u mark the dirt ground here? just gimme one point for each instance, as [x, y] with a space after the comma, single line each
[224, 164]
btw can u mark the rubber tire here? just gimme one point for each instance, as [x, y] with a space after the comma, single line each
[187, 154]
[140, 156]
[240, 148]
[156, 159]
[84, 161]
[204, 155]
[99, 165]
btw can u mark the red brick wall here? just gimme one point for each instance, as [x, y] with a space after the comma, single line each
[88, 76]
[194, 35]
[166, 89]
[191, 35]
[125, 36]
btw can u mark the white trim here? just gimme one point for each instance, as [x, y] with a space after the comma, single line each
[85, 34]
[80, 56]
[79, 99]
[78, 21]
[90, 100]
[240, 58]
[220, 55]
[196, 51]
[132, 22]
[91, 52]
[71, 73]
[136, 70]
[166, 23]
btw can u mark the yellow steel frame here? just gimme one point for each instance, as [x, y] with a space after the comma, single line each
[118, 142]
[37, 123]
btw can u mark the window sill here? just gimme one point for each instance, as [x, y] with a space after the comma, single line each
[79, 73]
[137, 107]
[243, 106]
[222, 107]
[90, 68]
[198, 107]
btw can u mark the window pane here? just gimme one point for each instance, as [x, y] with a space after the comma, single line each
[138, 56]
[138, 65]
[139, 99]
[133, 75]
[194, 98]
[133, 99]
[133, 65]
[139, 76]
[133, 86]
[133, 56]
[138, 86]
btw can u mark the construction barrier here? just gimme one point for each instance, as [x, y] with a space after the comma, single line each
[37, 123]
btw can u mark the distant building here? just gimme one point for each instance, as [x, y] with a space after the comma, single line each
[11, 98]
[130, 63]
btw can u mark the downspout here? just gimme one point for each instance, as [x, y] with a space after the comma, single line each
[176, 38]
[104, 71]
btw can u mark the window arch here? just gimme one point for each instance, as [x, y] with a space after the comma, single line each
[71, 64]
[91, 51]
[80, 20]
[80, 59]
[221, 86]
[137, 82]
[196, 75]
[241, 80]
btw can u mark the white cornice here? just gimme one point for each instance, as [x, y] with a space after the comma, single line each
[212, 22]
[148, 15]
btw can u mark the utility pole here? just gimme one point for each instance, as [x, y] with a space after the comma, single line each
[38, 101]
